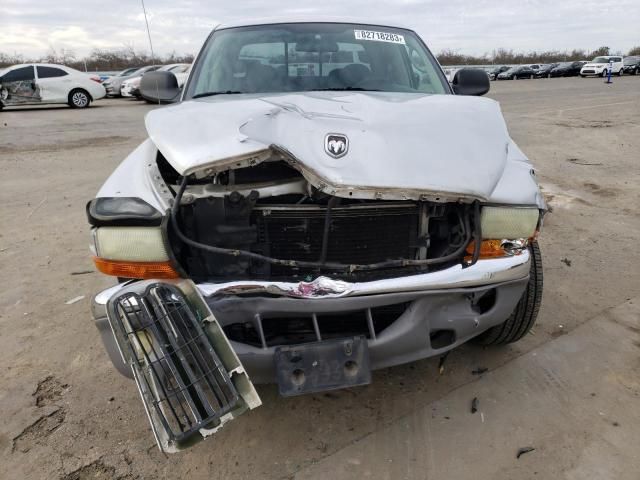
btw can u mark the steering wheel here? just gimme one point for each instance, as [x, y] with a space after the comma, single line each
[370, 83]
[379, 83]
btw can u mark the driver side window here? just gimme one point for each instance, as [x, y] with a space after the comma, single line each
[19, 75]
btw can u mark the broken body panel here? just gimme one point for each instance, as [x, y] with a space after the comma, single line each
[190, 379]
[456, 148]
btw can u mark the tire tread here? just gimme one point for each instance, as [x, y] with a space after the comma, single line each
[525, 314]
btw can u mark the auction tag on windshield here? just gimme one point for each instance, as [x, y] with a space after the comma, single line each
[379, 36]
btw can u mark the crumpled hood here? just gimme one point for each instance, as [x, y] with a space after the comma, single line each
[419, 144]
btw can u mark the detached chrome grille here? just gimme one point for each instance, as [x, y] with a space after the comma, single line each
[183, 382]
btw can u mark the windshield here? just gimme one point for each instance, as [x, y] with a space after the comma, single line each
[309, 56]
[179, 68]
[128, 71]
[601, 60]
[631, 60]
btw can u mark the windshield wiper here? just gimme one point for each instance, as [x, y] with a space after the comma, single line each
[211, 94]
[345, 89]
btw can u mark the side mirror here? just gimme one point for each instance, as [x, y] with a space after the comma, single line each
[471, 81]
[159, 87]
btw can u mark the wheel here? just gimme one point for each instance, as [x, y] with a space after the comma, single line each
[514, 77]
[583, 76]
[79, 98]
[524, 315]
[604, 73]
[620, 73]
[531, 77]
[548, 75]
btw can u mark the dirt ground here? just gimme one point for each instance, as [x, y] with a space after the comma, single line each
[66, 413]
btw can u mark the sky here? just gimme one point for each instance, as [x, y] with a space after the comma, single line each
[474, 27]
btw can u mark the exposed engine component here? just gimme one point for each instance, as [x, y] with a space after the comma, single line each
[219, 232]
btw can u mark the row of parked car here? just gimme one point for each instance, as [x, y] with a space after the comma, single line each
[43, 83]
[127, 82]
[599, 66]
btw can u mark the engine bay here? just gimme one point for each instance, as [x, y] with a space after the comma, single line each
[267, 222]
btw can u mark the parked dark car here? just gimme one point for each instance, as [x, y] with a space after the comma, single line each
[567, 69]
[493, 73]
[631, 65]
[514, 73]
[545, 70]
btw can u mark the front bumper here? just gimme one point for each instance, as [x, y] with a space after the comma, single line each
[442, 311]
[125, 91]
[112, 89]
[593, 71]
[129, 91]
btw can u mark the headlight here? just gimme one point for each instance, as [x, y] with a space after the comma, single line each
[121, 211]
[132, 252]
[127, 238]
[133, 244]
[508, 222]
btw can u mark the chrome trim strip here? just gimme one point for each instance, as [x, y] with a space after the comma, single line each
[484, 272]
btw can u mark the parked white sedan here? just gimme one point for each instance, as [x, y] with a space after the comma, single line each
[40, 83]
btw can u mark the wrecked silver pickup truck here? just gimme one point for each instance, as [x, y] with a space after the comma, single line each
[319, 203]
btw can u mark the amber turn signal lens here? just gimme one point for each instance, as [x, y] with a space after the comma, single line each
[135, 269]
[488, 249]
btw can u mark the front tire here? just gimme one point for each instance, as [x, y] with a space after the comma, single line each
[79, 98]
[514, 77]
[620, 73]
[525, 314]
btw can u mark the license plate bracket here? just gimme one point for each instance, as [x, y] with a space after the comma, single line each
[322, 366]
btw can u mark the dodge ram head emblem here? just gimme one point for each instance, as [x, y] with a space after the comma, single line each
[336, 145]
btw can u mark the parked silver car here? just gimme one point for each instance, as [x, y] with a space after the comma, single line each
[113, 84]
[305, 220]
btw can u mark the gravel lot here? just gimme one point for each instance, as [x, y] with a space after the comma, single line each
[67, 413]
